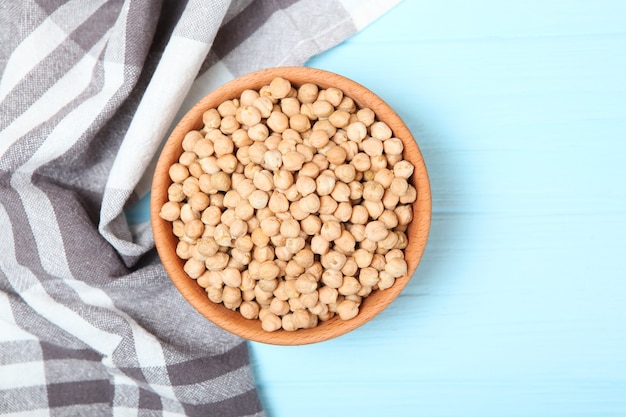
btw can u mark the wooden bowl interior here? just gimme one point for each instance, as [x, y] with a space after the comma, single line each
[232, 321]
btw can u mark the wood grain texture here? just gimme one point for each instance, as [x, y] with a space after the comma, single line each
[417, 233]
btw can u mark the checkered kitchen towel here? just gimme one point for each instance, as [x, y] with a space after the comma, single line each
[90, 325]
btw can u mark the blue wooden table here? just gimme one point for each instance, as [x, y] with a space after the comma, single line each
[519, 305]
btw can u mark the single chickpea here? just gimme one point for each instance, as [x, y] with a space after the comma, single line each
[259, 238]
[293, 269]
[258, 199]
[299, 122]
[304, 258]
[327, 204]
[209, 164]
[227, 163]
[373, 191]
[279, 307]
[350, 286]
[380, 130]
[376, 231]
[178, 172]
[311, 225]
[306, 284]
[331, 230]
[229, 124]
[178, 228]
[373, 147]
[319, 138]
[331, 279]
[388, 243]
[350, 268]
[194, 268]
[356, 190]
[333, 260]
[309, 300]
[341, 192]
[361, 162]
[356, 131]
[190, 139]
[270, 226]
[283, 179]
[319, 245]
[228, 107]
[389, 218]
[278, 121]
[220, 181]
[264, 105]
[199, 201]
[183, 249]
[307, 93]
[374, 208]
[309, 169]
[399, 186]
[295, 244]
[170, 211]
[359, 215]
[293, 161]
[194, 228]
[309, 204]
[357, 230]
[404, 213]
[214, 294]
[305, 185]
[403, 169]
[347, 309]
[322, 109]
[279, 87]
[385, 280]
[324, 184]
[175, 192]
[336, 155]
[409, 196]
[250, 309]
[343, 212]
[345, 243]
[345, 173]
[390, 200]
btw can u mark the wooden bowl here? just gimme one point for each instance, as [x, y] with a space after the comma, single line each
[232, 321]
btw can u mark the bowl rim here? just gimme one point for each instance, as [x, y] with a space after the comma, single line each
[232, 321]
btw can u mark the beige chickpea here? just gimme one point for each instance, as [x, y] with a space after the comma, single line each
[389, 218]
[345, 173]
[190, 139]
[388, 243]
[278, 121]
[403, 169]
[263, 180]
[170, 211]
[259, 238]
[345, 243]
[328, 294]
[311, 224]
[333, 260]
[178, 172]
[194, 228]
[183, 249]
[373, 191]
[296, 211]
[270, 322]
[322, 109]
[384, 177]
[306, 284]
[324, 185]
[359, 215]
[336, 155]
[293, 269]
[319, 138]
[278, 203]
[178, 228]
[258, 199]
[376, 231]
[295, 244]
[409, 196]
[309, 300]
[361, 162]
[350, 286]
[404, 214]
[368, 245]
[372, 147]
[279, 87]
[343, 212]
[368, 276]
[393, 146]
[399, 186]
[304, 258]
[319, 245]
[331, 279]
[227, 163]
[264, 105]
[293, 161]
[307, 93]
[396, 267]
[331, 230]
[194, 268]
[374, 208]
[250, 309]
[380, 130]
[214, 294]
[247, 97]
[279, 307]
[356, 131]
[347, 309]
[283, 179]
[310, 203]
[390, 200]
[339, 118]
[309, 169]
[299, 122]
[231, 277]
[207, 246]
[341, 192]
[327, 205]
[175, 192]
[305, 185]
[385, 280]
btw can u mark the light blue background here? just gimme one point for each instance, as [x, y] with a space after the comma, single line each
[519, 305]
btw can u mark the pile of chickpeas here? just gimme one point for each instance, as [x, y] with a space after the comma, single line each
[291, 205]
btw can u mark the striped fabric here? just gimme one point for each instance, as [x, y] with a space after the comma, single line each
[90, 325]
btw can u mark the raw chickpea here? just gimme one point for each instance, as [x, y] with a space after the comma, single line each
[345, 243]
[327, 204]
[350, 286]
[170, 211]
[194, 228]
[305, 185]
[307, 93]
[279, 87]
[336, 155]
[345, 173]
[372, 147]
[380, 130]
[178, 172]
[341, 192]
[319, 138]
[331, 230]
[319, 245]
[295, 244]
[278, 121]
[376, 231]
[306, 284]
[309, 169]
[356, 131]
[374, 208]
[373, 191]
[293, 161]
[194, 268]
[409, 196]
[325, 185]
[311, 224]
[250, 309]
[347, 309]
[190, 139]
[175, 192]
[304, 258]
[356, 190]
[343, 212]
[399, 186]
[404, 214]
[332, 279]
[361, 162]
[333, 260]
[279, 307]
[403, 169]
[385, 280]
[299, 122]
